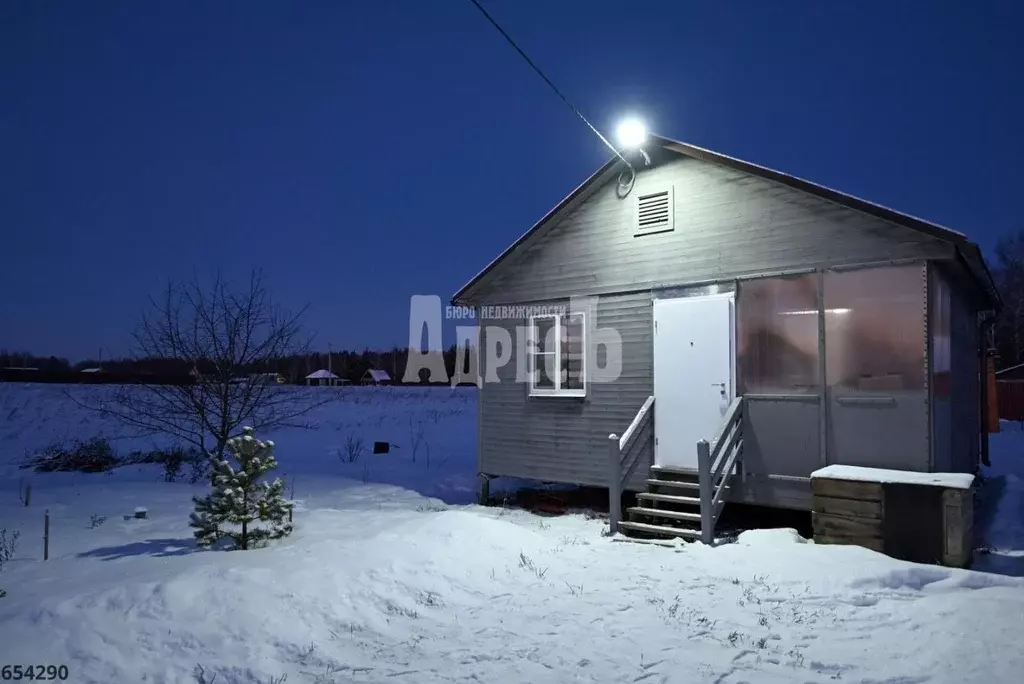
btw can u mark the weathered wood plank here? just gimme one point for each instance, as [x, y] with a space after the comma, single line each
[848, 507]
[831, 525]
[958, 527]
[846, 489]
[873, 543]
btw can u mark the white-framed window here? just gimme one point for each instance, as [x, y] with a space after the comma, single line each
[556, 355]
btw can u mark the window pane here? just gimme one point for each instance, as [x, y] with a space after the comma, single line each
[543, 370]
[572, 352]
[777, 333]
[544, 334]
[874, 329]
[573, 377]
[940, 329]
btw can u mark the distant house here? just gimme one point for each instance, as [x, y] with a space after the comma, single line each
[92, 370]
[323, 377]
[269, 378]
[1010, 392]
[376, 377]
[1011, 374]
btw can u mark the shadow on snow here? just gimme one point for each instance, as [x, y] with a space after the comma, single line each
[158, 548]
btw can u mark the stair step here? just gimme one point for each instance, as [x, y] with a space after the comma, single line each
[662, 530]
[682, 484]
[675, 469]
[663, 513]
[670, 498]
[672, 470]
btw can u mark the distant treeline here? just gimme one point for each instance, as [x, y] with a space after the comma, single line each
[347, 365]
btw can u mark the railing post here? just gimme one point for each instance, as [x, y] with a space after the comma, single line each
[739, 457]
[707, 526]
[614, 484]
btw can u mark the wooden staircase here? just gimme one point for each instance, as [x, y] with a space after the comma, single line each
[678, 502]
[669, 508]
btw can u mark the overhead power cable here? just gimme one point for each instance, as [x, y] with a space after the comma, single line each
[547, 80]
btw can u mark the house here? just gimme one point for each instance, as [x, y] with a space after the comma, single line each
[264, 378]
[375, 377]
[765, 327]
[1013, 373]
[322, 377]
[1010, 391]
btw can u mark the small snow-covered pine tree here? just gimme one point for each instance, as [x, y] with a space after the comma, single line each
[240, 498]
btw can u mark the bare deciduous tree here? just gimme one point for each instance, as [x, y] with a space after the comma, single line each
[229, 339]
[1008, 272]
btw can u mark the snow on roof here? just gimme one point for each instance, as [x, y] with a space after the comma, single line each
[320, 374]
[859, 474]
[378, 375]
[92, 370]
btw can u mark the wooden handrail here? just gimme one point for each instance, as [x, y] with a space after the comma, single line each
[627, 470]
[637, 419]
[616, 478]
[727, 444]
[715, 462]
[729, 463]
[727, 420]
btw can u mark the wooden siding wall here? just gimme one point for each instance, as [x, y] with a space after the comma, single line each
[563, 439]
[727, 224]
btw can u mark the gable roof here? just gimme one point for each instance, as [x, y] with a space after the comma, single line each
[968, 252]
[377, 375]
[321, 374]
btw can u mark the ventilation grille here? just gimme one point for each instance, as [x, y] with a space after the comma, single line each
[654, 212]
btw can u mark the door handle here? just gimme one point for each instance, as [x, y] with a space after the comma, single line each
[719, 384]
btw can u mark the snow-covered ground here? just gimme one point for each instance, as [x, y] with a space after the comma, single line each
[1002, 522]
[433, 430]
[401, 579]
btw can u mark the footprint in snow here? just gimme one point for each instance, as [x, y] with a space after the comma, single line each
[863, 600]
[830, 668]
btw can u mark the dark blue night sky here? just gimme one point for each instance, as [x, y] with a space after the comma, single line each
[362, 152]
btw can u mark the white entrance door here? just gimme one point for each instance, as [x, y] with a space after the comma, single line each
[693, 374]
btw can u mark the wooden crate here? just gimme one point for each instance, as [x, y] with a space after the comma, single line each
[926, 523]
[847, 512]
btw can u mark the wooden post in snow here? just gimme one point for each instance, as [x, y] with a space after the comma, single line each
[707, 531]
[46, 535]
[614, 484]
